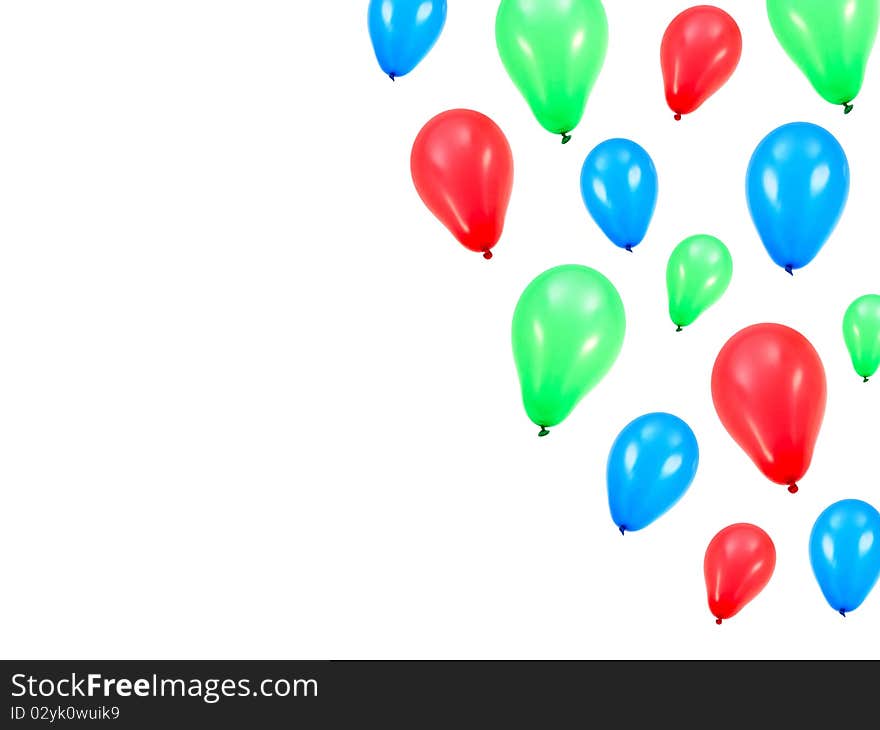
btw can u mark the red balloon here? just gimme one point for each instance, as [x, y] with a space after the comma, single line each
[768, 387]
[700, 50]
[738, 564]
[462, 168]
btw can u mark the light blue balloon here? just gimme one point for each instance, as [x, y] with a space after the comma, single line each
[403, 31]
[796, 186]
[845, 553]
[651, 465]
[619, 188]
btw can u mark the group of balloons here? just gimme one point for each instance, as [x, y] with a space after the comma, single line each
[768, 382]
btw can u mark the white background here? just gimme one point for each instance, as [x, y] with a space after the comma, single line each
[256, 402]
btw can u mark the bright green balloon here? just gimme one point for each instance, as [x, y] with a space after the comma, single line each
[697, 274]
[553, 50]
[829, 40]
[567, 332]
[861, 332]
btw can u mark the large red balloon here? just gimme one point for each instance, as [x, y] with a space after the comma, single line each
[462, 168]
[700, 50]
[768, 386]
[738, 564]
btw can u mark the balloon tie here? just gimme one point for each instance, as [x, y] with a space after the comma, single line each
[793, 488]
[391, 75]
[629, 247]
[847, 108]
[566, 138]
[677, 118]
[718, 621]
[788, 270]
[487, 254]
[679, 328]
[842, 612]
[866, 379]
[622, 529]
[543, 431]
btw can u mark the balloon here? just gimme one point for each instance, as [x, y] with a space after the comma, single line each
[568, 329]
[403, 31]
[697, 274]
[462, 168]
[797, 185]
[739, 562]
[845, 553]
[768, 387]
[651, 465]
[861, 332]
[830, 42]
[553, 51]
[619, 188]
[699, 52]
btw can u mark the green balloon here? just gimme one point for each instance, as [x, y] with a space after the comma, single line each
[568, 329]
[829, 40]
[861, 332]
[697, 274]
[553, 50]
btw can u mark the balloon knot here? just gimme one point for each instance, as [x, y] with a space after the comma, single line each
[566, 138]
[392, 75]
[622, 529]
[793, 488]
[847, 108]
[866, 379]
[543, 432]
[487, 254]
[679, 329]
[718, 621]
[677, 118]
[629, 247]
[842, 612]
[788, 270]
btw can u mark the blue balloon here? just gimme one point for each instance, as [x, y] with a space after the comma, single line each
[619, 188]
[845, 553]
[651, 465]
[797, 185]
[403, 31]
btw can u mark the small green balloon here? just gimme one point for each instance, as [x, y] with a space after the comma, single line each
[829, 40]
[568, 330]
[553, 50]
[861, 332]
[697, 274]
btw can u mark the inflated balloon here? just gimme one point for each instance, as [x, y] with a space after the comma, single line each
[568, 329]
[699, 53]
[739, 562]
[829, 40]
[697, 274]
[861, 332]
[403, 31]
[553, 50]
[619, 188]
[651, 465]
[769, 390]
[797, 185]
[845, 553]
[462, 168]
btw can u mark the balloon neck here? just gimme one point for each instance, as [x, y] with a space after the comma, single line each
[718, 621]
[842, 612]
[543, 432]
[392, 76]
[866, 379]
[679, 328]
[487, 254]
[566, 138]
[677, 118]
[622, 529]
[788, 270]
[793, 488]
[847, 108]
[629, 247]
